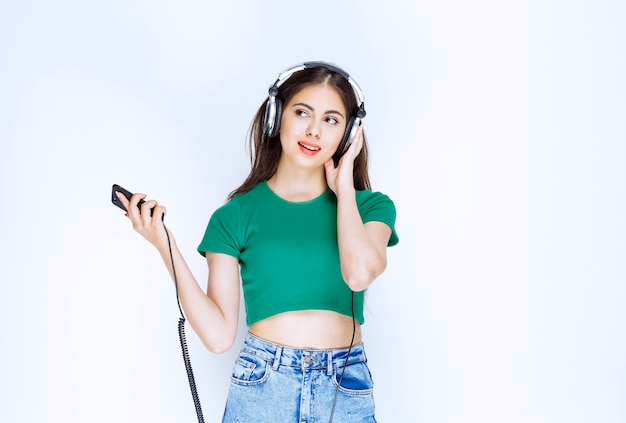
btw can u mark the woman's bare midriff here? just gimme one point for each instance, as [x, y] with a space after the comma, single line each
[309, 329]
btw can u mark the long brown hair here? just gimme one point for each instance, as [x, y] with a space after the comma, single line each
[265, 151]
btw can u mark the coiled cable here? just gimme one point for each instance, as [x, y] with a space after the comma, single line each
[183, 340]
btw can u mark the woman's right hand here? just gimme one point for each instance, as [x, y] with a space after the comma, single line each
[149, 226]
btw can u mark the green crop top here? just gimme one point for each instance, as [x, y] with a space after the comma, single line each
[288, 251]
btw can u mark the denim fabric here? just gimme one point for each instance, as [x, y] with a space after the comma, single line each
[276, 384]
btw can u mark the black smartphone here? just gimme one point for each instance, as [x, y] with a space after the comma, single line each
[127, 194]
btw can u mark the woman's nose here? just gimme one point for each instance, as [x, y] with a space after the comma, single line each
[313, 130]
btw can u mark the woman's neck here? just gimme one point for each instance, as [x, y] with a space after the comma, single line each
[301, 185]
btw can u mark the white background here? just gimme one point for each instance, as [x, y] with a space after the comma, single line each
[497, 127]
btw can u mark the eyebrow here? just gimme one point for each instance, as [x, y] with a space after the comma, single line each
[312, 109]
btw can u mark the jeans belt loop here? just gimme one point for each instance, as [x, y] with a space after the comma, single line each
[329, 360]
[276, 363]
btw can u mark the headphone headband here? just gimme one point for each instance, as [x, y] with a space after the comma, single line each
[284, 75]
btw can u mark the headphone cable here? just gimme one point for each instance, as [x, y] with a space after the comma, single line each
[183, 339]
[185, 351]
[332, 411]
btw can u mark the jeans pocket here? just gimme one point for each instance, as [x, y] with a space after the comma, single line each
[356, 379]
[249, 370]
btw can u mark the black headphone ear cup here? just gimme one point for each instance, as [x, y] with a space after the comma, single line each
[267, 126]
[277, 118]
[348, 135]
[272, 116]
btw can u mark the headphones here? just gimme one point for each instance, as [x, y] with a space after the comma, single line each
[274, 105]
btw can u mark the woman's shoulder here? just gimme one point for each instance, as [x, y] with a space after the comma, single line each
[366, 196]
[258, 191]
[374, 205]
[242, 199]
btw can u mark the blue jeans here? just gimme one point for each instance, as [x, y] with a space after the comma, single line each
[272, 383]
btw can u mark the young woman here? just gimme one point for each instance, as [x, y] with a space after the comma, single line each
[306, 236]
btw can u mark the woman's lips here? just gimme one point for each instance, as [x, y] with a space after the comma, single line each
[309, 148]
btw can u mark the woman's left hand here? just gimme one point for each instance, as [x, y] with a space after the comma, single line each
[341, 177]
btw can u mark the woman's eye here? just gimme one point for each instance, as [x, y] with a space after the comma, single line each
[301, 113]
[332, 120]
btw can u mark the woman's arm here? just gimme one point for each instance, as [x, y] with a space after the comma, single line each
[362, 247]
[212, 315]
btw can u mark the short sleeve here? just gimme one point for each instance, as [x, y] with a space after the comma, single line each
[222, 234]
[375, 206]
